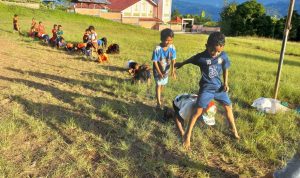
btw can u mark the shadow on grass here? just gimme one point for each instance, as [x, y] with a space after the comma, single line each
[113, 68]
[266, 59]
[95, 86]
[146, 160]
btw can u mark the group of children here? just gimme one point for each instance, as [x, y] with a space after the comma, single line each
[90, 46]
[37, 30]
[213, 63]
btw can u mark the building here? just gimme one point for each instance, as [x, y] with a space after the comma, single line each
[146, 13]
[90, 7]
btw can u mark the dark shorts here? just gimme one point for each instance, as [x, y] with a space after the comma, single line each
[16, 27]
[205, 97]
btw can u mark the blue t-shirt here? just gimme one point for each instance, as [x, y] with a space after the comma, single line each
[100, 42]
[211, 70]
[163, 58]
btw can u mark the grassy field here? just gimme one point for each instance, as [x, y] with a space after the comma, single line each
[62, 116]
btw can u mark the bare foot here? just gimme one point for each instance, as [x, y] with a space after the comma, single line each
[236, 135]
[186, 142]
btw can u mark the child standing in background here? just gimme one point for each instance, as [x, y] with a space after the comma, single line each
[16, 26]
[163, 58]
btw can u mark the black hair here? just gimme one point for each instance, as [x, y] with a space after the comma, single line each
[16, 15]
[165, 33]
[104, 41]
[59, 26]
[100, 51]
[91, 27]
[54, 25]
[40, 22]
[216, 39]
[87, 30]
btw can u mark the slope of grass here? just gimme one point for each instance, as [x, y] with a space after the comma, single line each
[62, 116]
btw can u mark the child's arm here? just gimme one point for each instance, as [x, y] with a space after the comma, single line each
[179, 126]
[181, 64]
[157, 69]
[173, 68]
[225, 79]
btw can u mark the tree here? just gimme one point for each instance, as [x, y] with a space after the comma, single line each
[227, 15]
[246, 13]
[295, 26]
[264, 26]
[175, 13]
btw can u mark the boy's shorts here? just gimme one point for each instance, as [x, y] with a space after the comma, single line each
[205, 97]
[162, 81]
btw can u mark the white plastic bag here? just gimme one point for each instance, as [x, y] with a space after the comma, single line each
[269, 105]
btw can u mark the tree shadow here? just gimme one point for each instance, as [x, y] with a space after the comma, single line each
[146, 159]
[113, 68]
[266, 59]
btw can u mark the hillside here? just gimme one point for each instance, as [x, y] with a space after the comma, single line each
[64, 116]
[214, 7]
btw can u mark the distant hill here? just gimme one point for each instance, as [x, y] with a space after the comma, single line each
[214, 7]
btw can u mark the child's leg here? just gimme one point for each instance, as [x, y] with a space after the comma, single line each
[187, 137]
[230, 119]
[179, 125]
[158, 94]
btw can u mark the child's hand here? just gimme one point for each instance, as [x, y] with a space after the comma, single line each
[226, 88]
[174, 75]
[161, 75]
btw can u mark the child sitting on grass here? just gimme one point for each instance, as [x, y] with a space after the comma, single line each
[102, 56]
[93, 37]
[102, 43]
[140, 73]
[59, 37]
[213, 62]
[41, 33]
[86, 35]
[163, 58]
[54, 35]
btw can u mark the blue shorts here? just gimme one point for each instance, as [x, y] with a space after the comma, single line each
[162, 81]
[205, 97]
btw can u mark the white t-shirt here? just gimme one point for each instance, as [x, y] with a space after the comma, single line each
[93, 37]
[185, 103]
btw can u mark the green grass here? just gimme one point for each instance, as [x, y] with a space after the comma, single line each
[62, 116]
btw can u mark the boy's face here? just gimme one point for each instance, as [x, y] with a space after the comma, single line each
[214, 51]
[168, 42]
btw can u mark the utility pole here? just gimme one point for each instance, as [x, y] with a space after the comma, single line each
[287, 29]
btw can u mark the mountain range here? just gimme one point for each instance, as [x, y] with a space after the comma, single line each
[213, 8]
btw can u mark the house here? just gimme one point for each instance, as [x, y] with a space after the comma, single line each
[90, 7]
[146, 13]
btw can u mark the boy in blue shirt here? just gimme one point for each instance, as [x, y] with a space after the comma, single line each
[163, 58]
[213, 62]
